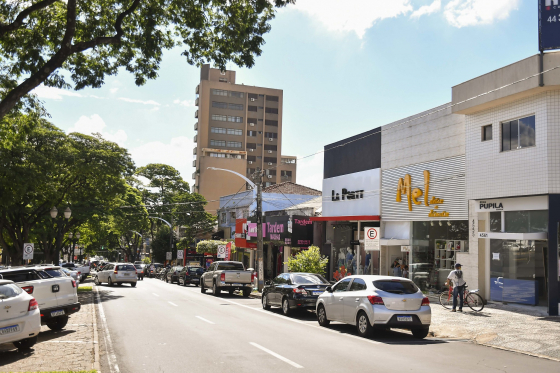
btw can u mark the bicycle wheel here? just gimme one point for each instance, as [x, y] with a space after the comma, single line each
[475, 302]
[446, 299]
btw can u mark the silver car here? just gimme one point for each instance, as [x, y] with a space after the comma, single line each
[74, 274]
[117, 273]
[376, 301]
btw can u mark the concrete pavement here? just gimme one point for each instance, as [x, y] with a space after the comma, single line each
[158, 327]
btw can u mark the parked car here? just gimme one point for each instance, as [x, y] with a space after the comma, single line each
[75, 275]
[20, 319]
[142, 270]
[376, 301]
[117, 273]
[293, 290]
[227, 276]
[83, 269]
[57, 297]
[190, 275]
[173, 274]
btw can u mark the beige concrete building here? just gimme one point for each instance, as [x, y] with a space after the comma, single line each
[239, 128]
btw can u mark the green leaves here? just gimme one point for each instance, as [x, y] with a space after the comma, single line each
[309, 260]
[211, 246]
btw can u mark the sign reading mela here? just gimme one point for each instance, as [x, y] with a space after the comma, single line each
[413, 196]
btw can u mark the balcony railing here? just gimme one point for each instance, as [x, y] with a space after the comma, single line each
[195, 138]
[196, 114]
[194, 151]
[194, 163]
[196, 102]
[197, 89]
[196, 126]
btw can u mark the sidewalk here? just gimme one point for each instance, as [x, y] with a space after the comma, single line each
[71, 349]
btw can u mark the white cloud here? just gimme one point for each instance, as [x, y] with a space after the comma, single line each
[53, 93]
[114, 90]
[187, 103]
[352, 15]
[96, 124]
[134, 101]
[177, 153]
[427, 9]
[461, 13]
[310, 171]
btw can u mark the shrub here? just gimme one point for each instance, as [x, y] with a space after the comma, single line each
[309, 260]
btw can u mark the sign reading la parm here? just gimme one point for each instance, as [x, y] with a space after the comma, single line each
[549, 24]
[371, 239]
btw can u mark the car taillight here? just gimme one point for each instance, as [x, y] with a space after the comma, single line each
[73, 283]
[79, 273]
[115, 271]
[374, 299]
[425, 301]
[223, 277]
[300, 291]
[253, 276]
[33, 305]
[28, 289]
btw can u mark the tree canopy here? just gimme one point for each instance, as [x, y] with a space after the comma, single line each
[71, 44]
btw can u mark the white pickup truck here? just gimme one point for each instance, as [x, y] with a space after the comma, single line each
[83, 271]
[227, 276]
[57, 297]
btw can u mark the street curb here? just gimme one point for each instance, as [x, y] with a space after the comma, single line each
[518, 351]
[96, 360]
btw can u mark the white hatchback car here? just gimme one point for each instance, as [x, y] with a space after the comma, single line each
[117, 273]
[376, 301]
[20, 319]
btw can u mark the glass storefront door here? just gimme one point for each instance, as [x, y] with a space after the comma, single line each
[517, 271]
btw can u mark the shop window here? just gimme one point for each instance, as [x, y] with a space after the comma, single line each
[223, 218]
[526, 221]
[518, 134]
[496, 221]
[487, 133]
[232, 216]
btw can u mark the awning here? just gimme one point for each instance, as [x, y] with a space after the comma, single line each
[393, 242]
[347, 218]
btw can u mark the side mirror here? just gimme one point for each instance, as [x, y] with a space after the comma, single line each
[329, 289]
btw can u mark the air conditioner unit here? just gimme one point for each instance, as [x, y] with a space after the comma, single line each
[270, 139]
[252, 124]
[270, 151]
[253, 99]
[250, 162]
[270, 176]
[270, 163]
[251, 150]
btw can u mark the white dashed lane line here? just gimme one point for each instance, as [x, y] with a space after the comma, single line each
[203, 319]
[173, 304]
[280, 357]
[155, 294]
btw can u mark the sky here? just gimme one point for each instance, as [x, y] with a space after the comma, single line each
[345, 66]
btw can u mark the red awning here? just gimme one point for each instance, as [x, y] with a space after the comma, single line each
[347, 218]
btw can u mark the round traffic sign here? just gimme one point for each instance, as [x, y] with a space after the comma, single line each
[28, 249]
[372, 233]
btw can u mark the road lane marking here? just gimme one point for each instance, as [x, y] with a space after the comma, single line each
[173, 304]
[295, 365]
[203, 319]
[111, 357]
[155, 294]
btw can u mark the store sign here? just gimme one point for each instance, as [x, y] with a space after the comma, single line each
[353, 194]
[242, 234]
[405, 249]
[549, 25]
[413, 195]
[371, 242]
[512, 204]
[302, 231]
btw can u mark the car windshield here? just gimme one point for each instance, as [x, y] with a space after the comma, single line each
[9, 291]
[230, 267]
[309, 279]
[138, 266]
[396, 286]
[56, 272]
[125, 267]
[196, 269]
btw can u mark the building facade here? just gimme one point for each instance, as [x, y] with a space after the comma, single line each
[239, 128]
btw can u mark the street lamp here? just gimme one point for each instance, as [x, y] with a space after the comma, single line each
[58, 241]
[257, 176]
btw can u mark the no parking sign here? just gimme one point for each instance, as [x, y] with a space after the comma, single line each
[371, 239]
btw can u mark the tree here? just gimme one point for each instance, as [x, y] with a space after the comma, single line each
[309, 261]
[47, 41]
[211, 246]
[160, 245]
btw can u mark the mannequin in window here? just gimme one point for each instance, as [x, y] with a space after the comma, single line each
[341, 257]
[368, 260]
[349, 257]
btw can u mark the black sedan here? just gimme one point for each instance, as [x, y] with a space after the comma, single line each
[293, 290]
[190, 275]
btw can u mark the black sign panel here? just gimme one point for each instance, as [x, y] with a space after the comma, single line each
[549, 24]
[302, 231]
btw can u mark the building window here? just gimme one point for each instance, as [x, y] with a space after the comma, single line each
[223, 80]
[251, 133]
[270, 160]
[271, 172]
[252, 108]
[272, 110]
[221, 118]
[272, 98]
[231, 131]
[219, 92]
[251, 158]
[233, 144]
[518, 134]
[251, 171]
[253, 97]
[217, 143]
[236, 94]
[218, 130]
[219, 105]
[261, 95]
[487, 133]
[252, 120]
[235, 119]
[269, 122]
[270, 147]
[235, 106]
[286, 173]
[271, 135]
[222, 217]
[217, 155]
[232, 216]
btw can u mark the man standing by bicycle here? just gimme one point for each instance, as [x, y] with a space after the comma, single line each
[459, 283]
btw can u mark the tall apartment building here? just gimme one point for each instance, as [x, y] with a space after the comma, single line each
[239, 128]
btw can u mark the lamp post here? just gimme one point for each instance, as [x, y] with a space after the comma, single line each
[257, 177]
[58, 240]
[74, 241]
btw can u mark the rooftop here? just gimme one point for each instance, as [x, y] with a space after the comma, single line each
[289, 187]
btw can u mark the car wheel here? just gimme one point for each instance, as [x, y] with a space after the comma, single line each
[231, 292]
[202, 288]
[133, 284]
[264, 301]
[322, 316]
[58, 323]
[246, 293]
[420, 333]
[286, 306]
[215, 290]
[109, 281]
[25, 344]
[362, 324]
[96, 281]
[195, 284]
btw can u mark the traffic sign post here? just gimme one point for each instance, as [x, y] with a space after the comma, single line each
[169, 255]
[221, 251]
[28, 249]
[179, 254]
[371, 239]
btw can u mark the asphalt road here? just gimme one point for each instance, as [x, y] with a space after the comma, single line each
[159, 327]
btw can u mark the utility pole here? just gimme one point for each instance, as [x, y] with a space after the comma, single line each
[260, 259]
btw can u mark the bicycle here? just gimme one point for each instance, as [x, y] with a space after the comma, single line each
[470, 298]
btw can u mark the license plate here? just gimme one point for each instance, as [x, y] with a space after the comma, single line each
[404, 318]
[237, 284]
[9, 329]
[127, 274]
[317, 292]
[195, 279]
[57, 313]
